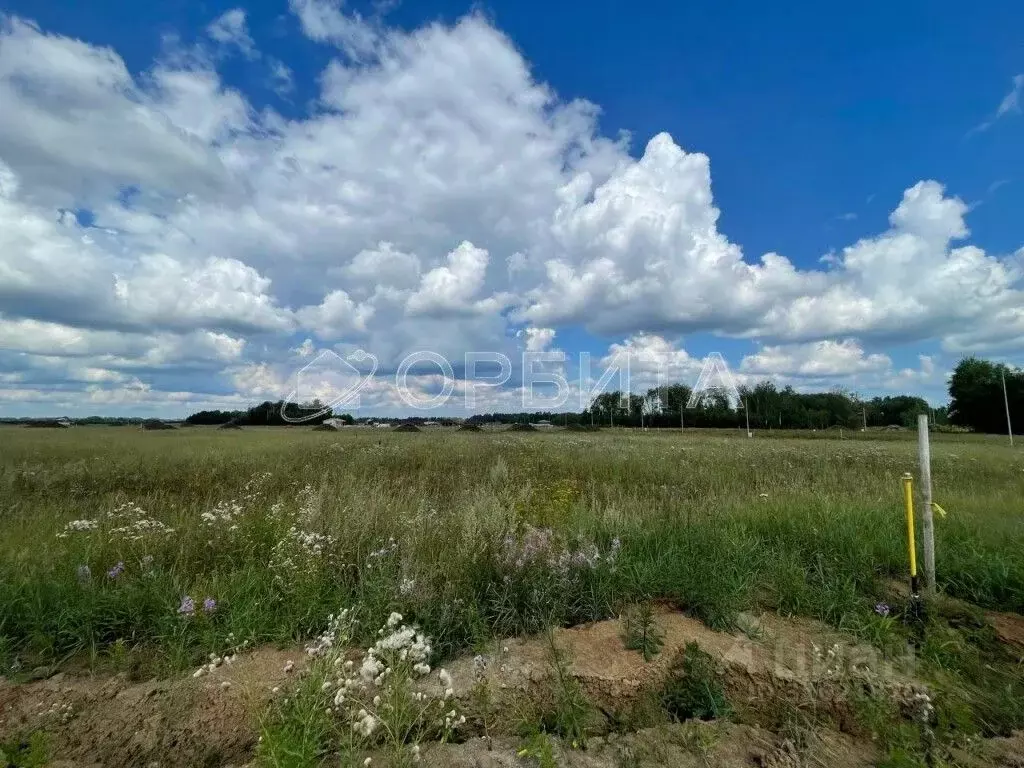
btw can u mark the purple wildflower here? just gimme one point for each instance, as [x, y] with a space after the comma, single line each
[882, 609]
[187, 607]
[209, 605]
[116, 571]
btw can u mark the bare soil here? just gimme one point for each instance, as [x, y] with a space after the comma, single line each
[95, 720]
[106, 720]
[687, 745]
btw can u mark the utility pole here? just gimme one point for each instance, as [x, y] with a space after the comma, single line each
[1006, 402]
[864, 413]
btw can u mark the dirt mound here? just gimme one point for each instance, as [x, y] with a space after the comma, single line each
[407, 427]
[109, 721]
[154, 424]
[212, 720]
[781, 662]
[48, 424]
[325, 428]
[522, 428]
[230, 425]
[1009, 627]
[469, 428]
[693, 744]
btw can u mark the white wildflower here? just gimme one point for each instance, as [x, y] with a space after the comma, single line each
[78, 526]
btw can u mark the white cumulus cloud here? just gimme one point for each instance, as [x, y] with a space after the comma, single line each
[437, 194]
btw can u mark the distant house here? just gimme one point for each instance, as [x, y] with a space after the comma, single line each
[429, 423]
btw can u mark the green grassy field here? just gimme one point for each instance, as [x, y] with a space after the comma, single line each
[477, 535]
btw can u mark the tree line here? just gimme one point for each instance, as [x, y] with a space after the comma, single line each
[763, 406]
[266, 414]
[975, 391]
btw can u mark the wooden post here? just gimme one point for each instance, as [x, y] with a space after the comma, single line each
[924, 457]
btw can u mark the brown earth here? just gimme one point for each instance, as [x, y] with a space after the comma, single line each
[687, 745]
[1009, 628]
[775, 660]
[107, 720]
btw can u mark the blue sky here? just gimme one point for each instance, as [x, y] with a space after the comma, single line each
[270, 149]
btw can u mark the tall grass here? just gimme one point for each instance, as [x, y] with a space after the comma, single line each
[423, 524]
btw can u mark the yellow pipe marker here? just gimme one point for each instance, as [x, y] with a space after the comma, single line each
[908, 501]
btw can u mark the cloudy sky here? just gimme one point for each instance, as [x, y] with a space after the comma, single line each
[197, 200]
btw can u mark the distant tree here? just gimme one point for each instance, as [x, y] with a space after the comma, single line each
[216, 417]
[976, 395]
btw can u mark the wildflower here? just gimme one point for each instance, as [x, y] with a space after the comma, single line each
[366, 724]
[84, 574]
[614, 551]
[394, 620]
[370, 669]
[367, 761]
[187, 607]
[289, 665]
[225, 685]
[116, 571]
[209, 605]
[406, 587]
[77, 526]
[446, 679]
[882, 609]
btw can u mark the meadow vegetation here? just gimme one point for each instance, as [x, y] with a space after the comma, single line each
[149, 552]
